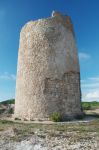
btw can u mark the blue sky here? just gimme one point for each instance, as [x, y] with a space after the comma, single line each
[85, 17]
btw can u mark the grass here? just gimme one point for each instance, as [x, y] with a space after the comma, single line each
[78, 131]
[22, 131]
[90, 105]
[89, 126]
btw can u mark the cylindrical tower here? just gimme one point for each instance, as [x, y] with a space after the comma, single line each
[48, 75]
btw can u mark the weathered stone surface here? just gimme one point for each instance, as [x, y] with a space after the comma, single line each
[48, 76]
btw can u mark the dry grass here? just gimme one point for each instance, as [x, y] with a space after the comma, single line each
[22, 131]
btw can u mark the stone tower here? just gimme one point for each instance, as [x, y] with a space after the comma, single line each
[48, 75]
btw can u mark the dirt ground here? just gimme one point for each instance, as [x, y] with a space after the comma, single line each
[77, 135]
[46, 135]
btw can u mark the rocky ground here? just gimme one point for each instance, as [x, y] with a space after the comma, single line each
[77, 135]
[58, 136]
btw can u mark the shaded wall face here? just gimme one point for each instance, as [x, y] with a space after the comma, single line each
[63, 95]
[48, 71]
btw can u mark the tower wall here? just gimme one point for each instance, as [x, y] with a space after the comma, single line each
[48, 76]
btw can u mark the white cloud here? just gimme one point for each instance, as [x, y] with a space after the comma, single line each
[83, 81]
[94, 78]
[90, 85]
[7, 76]
[93, 95]
[84, 56]
[90, 89]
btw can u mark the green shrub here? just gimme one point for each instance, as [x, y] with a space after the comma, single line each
[87, 107]
[17, 118]
[56, 117]
[11, 111]
[90, 105]
[10, 101]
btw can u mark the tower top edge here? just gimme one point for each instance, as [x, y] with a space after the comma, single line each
[65, 20]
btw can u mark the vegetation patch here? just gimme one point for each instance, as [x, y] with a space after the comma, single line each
[6, 102]
[56, 117]
[90, 105]
[17, 118]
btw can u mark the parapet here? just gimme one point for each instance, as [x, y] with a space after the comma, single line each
[64, 19]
